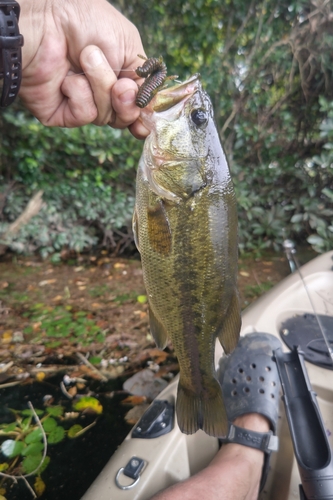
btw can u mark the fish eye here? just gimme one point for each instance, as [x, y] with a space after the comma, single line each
[199, 117]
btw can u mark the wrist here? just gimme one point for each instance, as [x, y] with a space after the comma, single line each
[32, 27]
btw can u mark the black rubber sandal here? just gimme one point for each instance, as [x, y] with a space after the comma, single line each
[251, 384]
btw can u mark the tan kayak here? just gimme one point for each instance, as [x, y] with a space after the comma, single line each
[287, 313]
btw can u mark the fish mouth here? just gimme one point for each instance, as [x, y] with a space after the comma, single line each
[167, 98]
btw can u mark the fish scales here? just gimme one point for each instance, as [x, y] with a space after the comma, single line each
[185, 225]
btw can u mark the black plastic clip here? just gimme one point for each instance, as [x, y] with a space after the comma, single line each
[156, 421]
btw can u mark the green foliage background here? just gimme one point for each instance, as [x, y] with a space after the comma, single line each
[268, 67]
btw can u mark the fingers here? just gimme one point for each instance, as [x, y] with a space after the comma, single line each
[114, 99]
[127, 112]
[77, 107]
[98, 97]
[123, 97]
[138, 130]
[101, 79]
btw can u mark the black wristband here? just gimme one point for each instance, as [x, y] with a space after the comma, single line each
[10, 51]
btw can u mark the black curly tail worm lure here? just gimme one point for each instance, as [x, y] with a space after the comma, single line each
[154, 71]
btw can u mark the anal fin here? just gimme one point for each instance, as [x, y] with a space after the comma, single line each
[229, 334]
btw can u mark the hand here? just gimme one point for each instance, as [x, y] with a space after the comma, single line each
[79, 58]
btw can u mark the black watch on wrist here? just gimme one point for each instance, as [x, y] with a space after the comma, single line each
[10, 51]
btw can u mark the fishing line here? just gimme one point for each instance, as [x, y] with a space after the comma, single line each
[113, 69]
[290, 250]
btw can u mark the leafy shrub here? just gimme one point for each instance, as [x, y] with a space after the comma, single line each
[87, 176]
[288, 197]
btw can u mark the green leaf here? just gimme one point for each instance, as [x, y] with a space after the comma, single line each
[4, 466]
[73, 431]
[34, 436]
[44, 465]
[33, 449]
[314, 239]
[95, 360]
[100, 337]
[81, 314]
[56, 435]
[39, 486]
[88, 402]
[11, 448]
[26, 423]
[49, 424]
[55, 411]
[30, 412]
[328, 192]
[55, 343]
[297, 218]
[142, 299]
[9, 428]
[31, 462]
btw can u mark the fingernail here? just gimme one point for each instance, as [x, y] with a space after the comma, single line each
[127, 97]
[95, 58]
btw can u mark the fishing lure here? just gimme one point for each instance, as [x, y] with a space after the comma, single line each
[154, 71]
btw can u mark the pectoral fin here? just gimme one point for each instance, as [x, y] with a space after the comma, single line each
[135, 229]
[157, 330]
[229, 333]
[159, 232]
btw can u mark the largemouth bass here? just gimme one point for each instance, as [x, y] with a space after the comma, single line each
[185, 227]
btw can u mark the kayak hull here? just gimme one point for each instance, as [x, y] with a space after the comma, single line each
[174, 456]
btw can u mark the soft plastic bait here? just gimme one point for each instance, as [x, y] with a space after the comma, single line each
[154, 71]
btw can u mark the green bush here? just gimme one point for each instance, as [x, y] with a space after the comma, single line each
[288, 197]
[87, 176]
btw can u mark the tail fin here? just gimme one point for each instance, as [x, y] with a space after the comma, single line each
[196, 412]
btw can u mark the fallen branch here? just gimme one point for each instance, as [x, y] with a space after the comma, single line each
[92, 367]
[32, 209]
[64, 391]
[10, 384]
